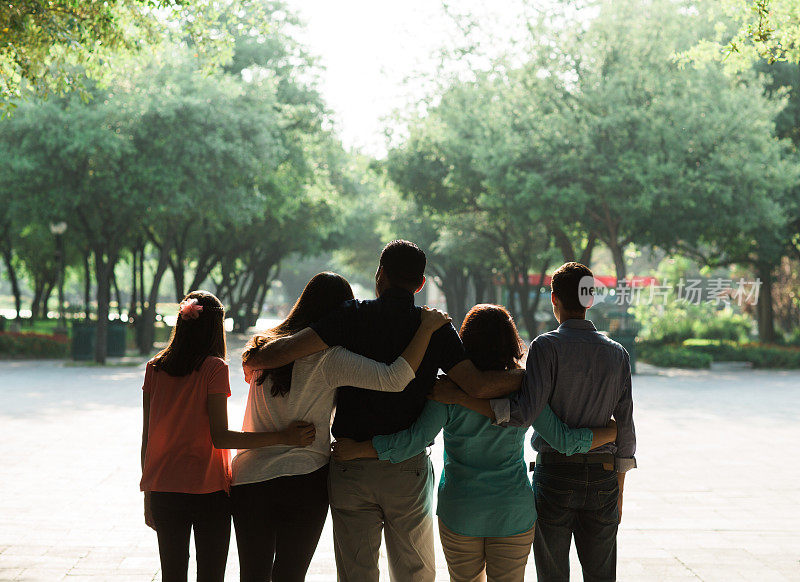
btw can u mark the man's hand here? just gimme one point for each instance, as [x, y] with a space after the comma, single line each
[148, 511]
[621, 482]
[446, 392]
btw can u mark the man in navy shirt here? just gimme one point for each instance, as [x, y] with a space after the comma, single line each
[370, 495]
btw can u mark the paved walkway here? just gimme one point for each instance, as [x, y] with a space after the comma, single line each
[716, 496]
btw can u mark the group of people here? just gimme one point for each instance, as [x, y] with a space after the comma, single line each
[372, 367]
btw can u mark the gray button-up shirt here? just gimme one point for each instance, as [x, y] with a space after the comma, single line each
[585, 377]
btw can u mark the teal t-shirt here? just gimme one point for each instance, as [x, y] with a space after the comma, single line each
[484, 489]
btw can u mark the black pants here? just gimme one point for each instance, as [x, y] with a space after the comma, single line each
[580, 501]
[175, 514]
[278, 524]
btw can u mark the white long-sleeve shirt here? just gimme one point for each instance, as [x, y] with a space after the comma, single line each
[311, 398]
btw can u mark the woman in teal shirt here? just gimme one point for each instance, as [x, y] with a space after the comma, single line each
[486, 502]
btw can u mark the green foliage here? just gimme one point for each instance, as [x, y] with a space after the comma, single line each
[671, 356]
[749, 31]
[678, 321]
[698, 353]
[760, 355]
[32, 345]
[59, 46]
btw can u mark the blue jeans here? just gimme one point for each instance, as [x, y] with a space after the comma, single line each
[577, 500]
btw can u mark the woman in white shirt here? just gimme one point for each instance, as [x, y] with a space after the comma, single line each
[280, 493]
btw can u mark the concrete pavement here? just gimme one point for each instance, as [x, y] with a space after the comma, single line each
[715, 498]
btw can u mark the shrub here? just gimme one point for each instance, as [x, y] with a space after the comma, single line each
[32, 345]
[723, 325]
[761, 355]
[671, 356]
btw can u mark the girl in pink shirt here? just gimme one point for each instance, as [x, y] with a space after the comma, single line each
[186, 470]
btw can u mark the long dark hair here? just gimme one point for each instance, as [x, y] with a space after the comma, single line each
[490, 338]
[193, 340]
[323, 293]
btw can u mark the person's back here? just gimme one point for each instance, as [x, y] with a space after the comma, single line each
[180, 456]
[586, 379]
[369, 495]
[590, 376]
[380, 329]
[484, 490]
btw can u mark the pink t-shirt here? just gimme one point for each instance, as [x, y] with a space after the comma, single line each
[180, 457]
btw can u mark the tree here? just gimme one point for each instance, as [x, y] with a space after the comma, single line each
[57, 46]
[748, 32]
[448, 166]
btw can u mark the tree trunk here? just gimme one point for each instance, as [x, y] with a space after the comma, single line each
[586, 255]
[765, 308]
[87, 285]
[564, 245]
[117, 294]
[146, 324]
[104, 266]
[454, 284]
[133, 310]
[38, 289]
[12, 277]
[617, 252]
[481, 284]
[179, 275]
[48, 291]
[245, 305]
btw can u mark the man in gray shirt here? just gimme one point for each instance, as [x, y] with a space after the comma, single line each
[586, 378]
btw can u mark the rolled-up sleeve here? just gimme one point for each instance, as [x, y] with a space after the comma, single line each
[561, 437]
[524, 406]
[626, 432]
[407, 443]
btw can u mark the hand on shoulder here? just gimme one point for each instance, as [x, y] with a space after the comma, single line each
[433, 319]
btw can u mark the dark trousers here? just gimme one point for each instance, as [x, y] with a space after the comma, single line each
[579, 500]
[175, 515]
[278, 524]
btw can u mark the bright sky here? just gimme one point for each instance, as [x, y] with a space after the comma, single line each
[369, 47]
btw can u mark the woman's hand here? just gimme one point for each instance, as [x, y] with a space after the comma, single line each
[433, 319]
[348, 449]
[248, 372]
[299, 434]
[148, 511]
[604, 435]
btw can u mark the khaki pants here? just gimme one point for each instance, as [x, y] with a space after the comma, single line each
[367, 496]
[471, 559]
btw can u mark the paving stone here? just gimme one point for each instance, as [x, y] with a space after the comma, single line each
[715, 497]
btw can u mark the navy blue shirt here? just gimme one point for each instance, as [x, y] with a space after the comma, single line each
[381, 329]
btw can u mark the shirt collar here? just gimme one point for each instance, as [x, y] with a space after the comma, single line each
[578, 324]
[398, 293]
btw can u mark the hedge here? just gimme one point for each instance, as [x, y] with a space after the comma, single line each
[672, 356]
[696, 353]
[32, 345]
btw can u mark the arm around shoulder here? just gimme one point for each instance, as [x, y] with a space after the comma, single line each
[485, 383]
[284, 350]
